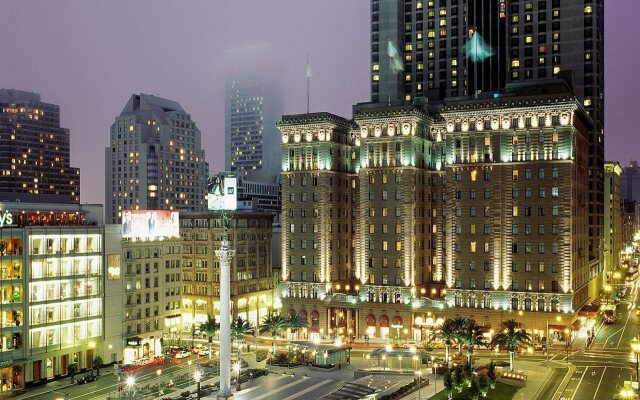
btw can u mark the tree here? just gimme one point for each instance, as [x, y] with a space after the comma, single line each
[97, 363]
[511, 337]
[474, 390]
[273, 324]
[472, 336]
[71, 370]
[239, 328]
[210, 327]
[491, 374]
[459, 325]
[296, 322]
[448, 335]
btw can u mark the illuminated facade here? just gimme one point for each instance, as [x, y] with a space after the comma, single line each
[152, 286]
[52, 290]
[155, 159]
[252, 280]
[406, 215]
[526, 40]
[34, 161]
[613, 239]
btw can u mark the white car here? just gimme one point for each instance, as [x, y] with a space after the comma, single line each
[203, 352]
[182, 354]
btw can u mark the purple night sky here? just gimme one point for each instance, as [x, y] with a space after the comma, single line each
[90, 56]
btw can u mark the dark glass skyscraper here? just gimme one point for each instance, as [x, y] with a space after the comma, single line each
[525, 40]
[34, 151]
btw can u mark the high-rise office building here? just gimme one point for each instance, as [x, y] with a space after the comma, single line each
[429, 48]
[253, 104]
[630, 182]
[613, 233]
[155, 159]
[407, 214]
[34, 155]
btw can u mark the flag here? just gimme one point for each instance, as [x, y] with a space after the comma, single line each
[477, 49]
[395, 61]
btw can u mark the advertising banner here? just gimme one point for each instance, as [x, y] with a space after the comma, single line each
[150, 224]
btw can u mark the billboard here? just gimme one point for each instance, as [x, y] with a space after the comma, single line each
[223, 193]
[150, 224]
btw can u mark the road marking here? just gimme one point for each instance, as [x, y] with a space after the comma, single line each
[598, 387]
[280, 389]
[575, 391]
[307, 390]
[625, 327]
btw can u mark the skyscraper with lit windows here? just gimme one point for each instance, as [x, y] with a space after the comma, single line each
[519, 41]
[34, 151]
[253, 104]
[155, 160]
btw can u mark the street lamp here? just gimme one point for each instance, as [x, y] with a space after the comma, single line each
[635, 346]
[435, 373]
[236, 367]
[131, 381]
[384, 362]
[608, 289]
[567, 342]
[197, 376]
[419, 373]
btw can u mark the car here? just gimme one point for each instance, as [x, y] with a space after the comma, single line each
[142, 361]
[183, 354]
[203, 352]
[87, 379]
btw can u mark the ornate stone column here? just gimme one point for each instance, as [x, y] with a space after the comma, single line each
[225, 254]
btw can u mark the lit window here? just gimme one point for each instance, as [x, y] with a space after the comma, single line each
[376, 77]
[515, 63]
[473, 247]
[528, 39]
[515, 211]
[556, 70]
[474, 175]
[588, 9]
[398, 246]
[587, 102]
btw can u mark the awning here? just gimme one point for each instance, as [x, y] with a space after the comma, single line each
[384, 321]
[397, 320]
[576, 325]
[303, 314]
[371, 320]
[315, 315]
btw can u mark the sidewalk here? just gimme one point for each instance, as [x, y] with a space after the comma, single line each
[58, 386]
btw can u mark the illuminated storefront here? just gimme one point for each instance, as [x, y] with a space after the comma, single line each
[51, 291]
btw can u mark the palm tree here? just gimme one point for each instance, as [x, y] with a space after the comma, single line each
[210, 327]
[459, 326]
[296, 322]
[239, 328]
[273, 324]
[472, 336]
[448, 334]
[511, 337]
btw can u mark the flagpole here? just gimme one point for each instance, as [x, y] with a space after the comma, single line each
[308, 79]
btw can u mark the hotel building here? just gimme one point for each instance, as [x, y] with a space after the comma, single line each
[155, 159]
[52, 306]
[34, 151]
[406, 215]
[252, 282]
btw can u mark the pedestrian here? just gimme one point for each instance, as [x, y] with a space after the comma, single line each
[339, 366]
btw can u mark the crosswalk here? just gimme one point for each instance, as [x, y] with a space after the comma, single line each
[289, 388]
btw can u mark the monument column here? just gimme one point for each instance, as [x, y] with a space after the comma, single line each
[225, 254]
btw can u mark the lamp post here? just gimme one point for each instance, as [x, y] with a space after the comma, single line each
[225, 254]
[435, 373]
[635, 347]
[197, 376]
[419, 373]
[384, 362]
[607, 290]
[131, 381]
[567, 342]
[236, 368]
